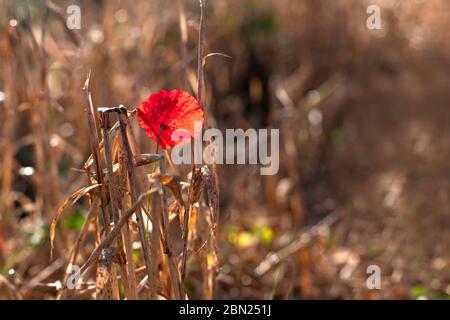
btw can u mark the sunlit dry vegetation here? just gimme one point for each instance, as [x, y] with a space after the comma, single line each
[364, 150]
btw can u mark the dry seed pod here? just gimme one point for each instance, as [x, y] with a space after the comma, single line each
[211, 193]
[196, 186]
[146, 158]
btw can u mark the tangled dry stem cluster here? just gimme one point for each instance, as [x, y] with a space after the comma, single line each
[117, 175]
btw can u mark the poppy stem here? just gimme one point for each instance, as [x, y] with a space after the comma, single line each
[161, 128]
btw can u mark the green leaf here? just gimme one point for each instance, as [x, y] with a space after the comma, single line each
[75, 221]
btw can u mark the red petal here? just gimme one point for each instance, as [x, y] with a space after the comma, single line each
[171, 110]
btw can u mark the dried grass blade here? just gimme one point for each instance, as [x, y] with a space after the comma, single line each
[69, 202]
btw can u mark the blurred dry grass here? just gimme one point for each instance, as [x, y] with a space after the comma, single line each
[363, 117]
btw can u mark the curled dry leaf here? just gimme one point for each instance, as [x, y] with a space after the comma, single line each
[173, 183]
[196, 186]
[69, 202]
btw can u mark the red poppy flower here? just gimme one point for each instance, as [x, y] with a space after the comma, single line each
[167, 111]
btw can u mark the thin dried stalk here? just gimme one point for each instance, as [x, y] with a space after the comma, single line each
[11, 287]
[130, 288]
[199, 99]
[126, 236]
[195, 190]
[105, 278]
[61, 16]
[183, 40]
[134, 186]
[201, 36]
[302, 240]
[155, 241]
[53, 193]
[36, 120]
[176, 285]
[81, 235]
[94, 142]
[212, 201]
[41, 276]
[114, 232]
[8, 137]
[67, 203]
